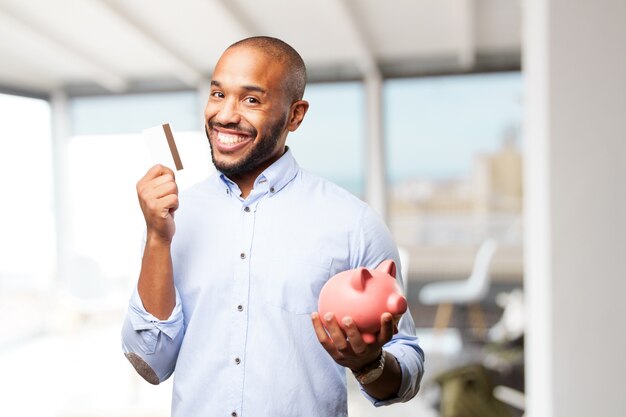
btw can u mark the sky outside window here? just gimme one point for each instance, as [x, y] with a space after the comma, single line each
[435, 126]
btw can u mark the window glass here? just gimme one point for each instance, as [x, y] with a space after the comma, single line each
[107, 223]
[129, 113]
[107, 155]
[455, 169]
[436, 126]
[27, 248]
[331, 140]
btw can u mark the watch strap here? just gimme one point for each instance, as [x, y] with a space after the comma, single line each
[372, 371]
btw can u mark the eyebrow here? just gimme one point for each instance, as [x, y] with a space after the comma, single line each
[245, 87]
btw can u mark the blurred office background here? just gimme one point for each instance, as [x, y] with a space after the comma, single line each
[489, 134]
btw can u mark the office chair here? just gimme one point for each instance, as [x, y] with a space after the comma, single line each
[468, 292]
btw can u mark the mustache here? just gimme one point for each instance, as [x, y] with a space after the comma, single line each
[236, 127]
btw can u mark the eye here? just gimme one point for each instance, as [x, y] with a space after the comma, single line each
[217, 94]
[251, 100]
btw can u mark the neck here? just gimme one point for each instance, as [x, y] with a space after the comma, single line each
[245, 181]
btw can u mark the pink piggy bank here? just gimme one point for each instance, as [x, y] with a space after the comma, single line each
[363, 294]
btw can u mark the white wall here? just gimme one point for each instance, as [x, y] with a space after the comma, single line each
[575, 74]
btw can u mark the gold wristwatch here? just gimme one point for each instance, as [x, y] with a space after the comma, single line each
[371, 372]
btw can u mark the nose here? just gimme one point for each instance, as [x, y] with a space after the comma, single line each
[227, 112]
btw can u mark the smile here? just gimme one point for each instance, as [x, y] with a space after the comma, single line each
[230, 139]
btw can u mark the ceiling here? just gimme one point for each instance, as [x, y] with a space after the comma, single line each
[116, 46]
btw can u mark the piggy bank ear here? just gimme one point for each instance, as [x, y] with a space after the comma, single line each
[387, 266]
[359, 277]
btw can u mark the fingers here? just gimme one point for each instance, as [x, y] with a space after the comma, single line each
[330, 335]
[158, 198]
[163, 186]
[161, 179]
[156, 176]
[358, 345]
[156, 171]
[386, 328]
[169, 205]
[321, 334]
[157, 186]
[336, 333]
[396, 321]
[158, 182]
[345, 344]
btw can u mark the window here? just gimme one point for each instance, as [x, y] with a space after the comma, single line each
[107, 156]
[27, 247]
[331, 140]
[454, 167]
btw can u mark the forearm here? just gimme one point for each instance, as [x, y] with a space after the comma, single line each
[149, 344]
[405, 353]
[388, 384]
[156, 279]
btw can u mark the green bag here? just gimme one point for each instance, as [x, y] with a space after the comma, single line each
[468, 392]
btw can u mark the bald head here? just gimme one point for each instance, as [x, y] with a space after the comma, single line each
[295, 70]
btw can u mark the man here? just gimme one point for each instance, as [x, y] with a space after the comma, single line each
[227, 293]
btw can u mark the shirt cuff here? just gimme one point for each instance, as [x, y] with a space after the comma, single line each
[410, 368]
[140, 319]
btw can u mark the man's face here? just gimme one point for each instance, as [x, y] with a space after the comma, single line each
[247, 113]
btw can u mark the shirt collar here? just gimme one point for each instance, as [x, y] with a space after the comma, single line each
[274, 178]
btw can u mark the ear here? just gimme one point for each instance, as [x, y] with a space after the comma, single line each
[387, 266]
[358, 278]
[296, 114]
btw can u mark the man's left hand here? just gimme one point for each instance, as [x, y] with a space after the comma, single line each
[347, 347]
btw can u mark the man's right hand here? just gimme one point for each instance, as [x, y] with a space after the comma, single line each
[158, 198]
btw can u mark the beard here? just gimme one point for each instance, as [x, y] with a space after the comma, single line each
[257, 155]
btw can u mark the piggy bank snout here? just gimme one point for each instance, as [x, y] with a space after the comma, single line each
[396, 304]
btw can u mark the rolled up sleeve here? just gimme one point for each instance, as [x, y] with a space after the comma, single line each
[151, 345]
[410, 356]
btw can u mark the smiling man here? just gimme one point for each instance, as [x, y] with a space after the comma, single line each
[250, 112]
[227, 292]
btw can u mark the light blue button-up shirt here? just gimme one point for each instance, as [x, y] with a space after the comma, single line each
[248, 275]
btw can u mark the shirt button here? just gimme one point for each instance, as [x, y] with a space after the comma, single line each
[240, 307]
[237, 361]
[242, 255]
[233, 414]
[246, 209]
[272, 190]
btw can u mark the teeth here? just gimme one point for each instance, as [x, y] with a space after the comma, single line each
[230, 139]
